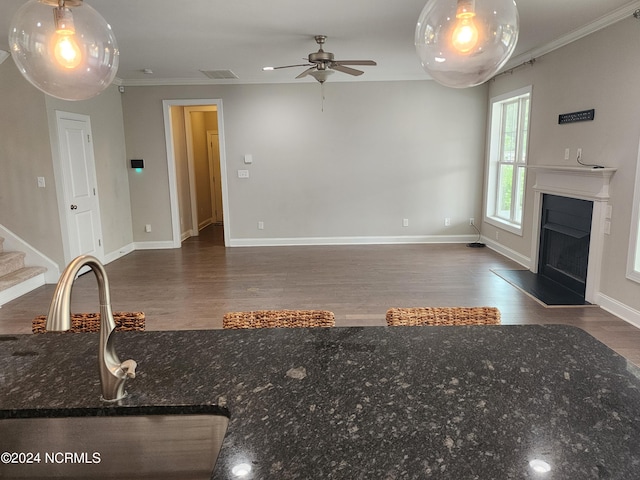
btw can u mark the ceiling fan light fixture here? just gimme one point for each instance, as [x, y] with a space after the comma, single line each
[463, 43]
[64, 48]
[321, 75]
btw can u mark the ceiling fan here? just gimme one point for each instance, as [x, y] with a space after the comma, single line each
[322, 64]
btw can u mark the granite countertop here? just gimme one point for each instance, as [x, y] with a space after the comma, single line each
[365, 403]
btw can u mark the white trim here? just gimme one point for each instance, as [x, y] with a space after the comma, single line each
[159, 245]
[171, 167]
[634, 248]
[507, 252]
[299, 241]
[618, 309]
[33, 257]
[620, 14]
[121, 252]
[22, 288]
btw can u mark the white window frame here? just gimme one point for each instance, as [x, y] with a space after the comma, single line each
[633, 256]
[513, 225]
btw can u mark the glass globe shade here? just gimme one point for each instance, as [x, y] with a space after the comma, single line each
[68, 53]
[463, 43]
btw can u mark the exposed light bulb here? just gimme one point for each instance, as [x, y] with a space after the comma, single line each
[465, 35]
[66, 50]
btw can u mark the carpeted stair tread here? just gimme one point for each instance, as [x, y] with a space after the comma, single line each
[19, 276]
[10, 262]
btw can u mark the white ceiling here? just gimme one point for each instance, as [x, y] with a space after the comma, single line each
[176, 39]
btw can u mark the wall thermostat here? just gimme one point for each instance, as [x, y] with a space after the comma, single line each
[137, 163]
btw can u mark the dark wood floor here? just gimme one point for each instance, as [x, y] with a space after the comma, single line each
[192, 287]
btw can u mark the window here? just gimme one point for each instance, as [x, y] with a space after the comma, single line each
[633, 257]
[508, 145]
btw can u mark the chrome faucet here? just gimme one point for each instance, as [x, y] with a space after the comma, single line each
[113, 373]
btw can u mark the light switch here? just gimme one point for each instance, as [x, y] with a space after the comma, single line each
[41, 183]
[243, 173]
[248, 158]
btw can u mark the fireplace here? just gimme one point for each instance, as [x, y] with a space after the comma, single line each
[574, 234]
[565, 230]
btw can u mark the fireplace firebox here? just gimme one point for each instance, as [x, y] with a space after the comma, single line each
[565, 231]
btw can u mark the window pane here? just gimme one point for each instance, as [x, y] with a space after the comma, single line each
[509, 131]
[503, 209]
[524, 130]
[517, 217]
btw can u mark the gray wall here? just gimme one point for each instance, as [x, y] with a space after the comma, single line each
[25, 154]
[599, 71]
[27, 117]
[378, 153]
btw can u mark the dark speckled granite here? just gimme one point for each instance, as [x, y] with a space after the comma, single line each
[366, 403]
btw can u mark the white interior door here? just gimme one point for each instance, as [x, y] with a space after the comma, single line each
[80, 208]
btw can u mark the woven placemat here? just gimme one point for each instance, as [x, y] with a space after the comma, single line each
[443, 316]
[278, 318]
[90, 322]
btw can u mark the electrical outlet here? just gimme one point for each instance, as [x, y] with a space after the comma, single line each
[497, 235]
[260, 225]
[472, 221]
[447, 222]
[405, 222]
[567, 152]
[147, 228]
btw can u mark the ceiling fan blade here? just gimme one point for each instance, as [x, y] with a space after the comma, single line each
[290, 66]
[343, 69]
[356, 62]
[306, 72]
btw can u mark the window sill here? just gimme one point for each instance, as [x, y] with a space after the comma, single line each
[514, 228]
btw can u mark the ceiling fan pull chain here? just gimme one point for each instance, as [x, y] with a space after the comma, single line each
[322, 94]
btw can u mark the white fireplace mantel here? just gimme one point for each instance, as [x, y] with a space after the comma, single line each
[585, 183]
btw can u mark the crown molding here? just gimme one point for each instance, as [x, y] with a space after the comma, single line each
[603, 22]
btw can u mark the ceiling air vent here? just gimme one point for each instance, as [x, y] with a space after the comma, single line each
[220, 74]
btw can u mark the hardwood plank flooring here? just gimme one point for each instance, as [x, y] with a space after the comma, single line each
[192, 287]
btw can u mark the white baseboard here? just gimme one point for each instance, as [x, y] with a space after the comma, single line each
[22, 288]
[300, 241]
[507, 252]
[33, 258]
[154, 245]
[121, 252]
[619, 309]
[185, 235]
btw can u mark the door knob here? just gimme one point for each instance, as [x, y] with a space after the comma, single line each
[74, 207]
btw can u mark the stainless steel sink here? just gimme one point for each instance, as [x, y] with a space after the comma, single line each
[165, 444]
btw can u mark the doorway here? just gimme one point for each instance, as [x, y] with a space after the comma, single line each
[197, 199]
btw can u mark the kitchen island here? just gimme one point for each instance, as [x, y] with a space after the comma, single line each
[503, 402]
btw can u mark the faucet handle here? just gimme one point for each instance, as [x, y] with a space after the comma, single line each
[128, 367]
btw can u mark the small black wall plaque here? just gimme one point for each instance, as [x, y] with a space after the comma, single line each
[139, 163]
[583, 116]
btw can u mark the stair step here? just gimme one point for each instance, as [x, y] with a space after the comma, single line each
[10, 262]
[19, 276]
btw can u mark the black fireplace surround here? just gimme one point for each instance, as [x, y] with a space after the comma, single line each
[565, 230]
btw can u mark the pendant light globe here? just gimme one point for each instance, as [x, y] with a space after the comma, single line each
[66, 49]
[463, 43]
